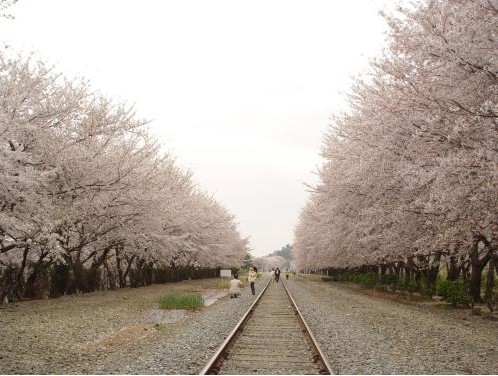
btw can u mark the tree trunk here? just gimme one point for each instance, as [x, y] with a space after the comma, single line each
[408, 271]
[490, 281]
[111, 276]
[465, 268]
[383, 269]
[20, 274]
[432, 273]
[477, 268]
[475, 283]
[128, 267]
[121, 280]
[453, 269]
[418, 279]
[30, 288]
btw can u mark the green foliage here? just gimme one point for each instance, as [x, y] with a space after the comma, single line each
[339, 277]
[389, 279]
[247, 262]
[408, 285]
[365, 279]
[181, 301]
[454, 292]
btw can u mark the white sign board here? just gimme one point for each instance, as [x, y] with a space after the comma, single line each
[225, 273]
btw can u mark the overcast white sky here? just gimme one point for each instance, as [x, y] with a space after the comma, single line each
[239, 91]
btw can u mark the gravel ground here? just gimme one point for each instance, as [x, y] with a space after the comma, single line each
[112, 332]
[363, 334]
[108, 332]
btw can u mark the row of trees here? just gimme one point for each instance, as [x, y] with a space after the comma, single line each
[87, 199]
[410, 181]
[267, 263]
[281, 258]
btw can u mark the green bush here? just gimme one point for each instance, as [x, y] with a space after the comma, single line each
[181, 301]
[365, 279]
[454, 292]
[388, 279]
[407, 285]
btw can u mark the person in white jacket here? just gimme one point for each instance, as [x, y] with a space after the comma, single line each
[251, 278]
[235, 285]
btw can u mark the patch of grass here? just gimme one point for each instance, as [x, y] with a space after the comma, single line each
[181, 301]
[407, 285]
[221, 283]
[159, 326]
[389, 279]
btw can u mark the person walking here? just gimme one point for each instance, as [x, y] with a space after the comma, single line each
[251, 278]
[277, 275]
[272, 274]
[235, 285]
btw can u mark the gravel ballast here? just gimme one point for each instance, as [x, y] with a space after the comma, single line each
[108, 333]
[123, 332]
[363, 334]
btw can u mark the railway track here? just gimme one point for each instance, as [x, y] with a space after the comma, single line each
[271, 338]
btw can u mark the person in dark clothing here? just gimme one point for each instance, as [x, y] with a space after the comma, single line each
[277, 275]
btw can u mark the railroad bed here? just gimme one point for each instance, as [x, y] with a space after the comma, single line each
[270, 339]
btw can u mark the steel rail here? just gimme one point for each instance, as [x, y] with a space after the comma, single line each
[327, 367]
[222, 349]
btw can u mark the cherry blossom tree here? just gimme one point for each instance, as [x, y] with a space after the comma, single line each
[410, 172]
[85, 191]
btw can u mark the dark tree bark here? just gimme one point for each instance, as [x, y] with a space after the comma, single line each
[453, 268]
[383, 269]
[128, 268]
[409, 267]
[30, 288]
[477, 265]
[465, 268]
[20, 274]
[121, 279]
[432, 272]
[111, 277]
[490, 281]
